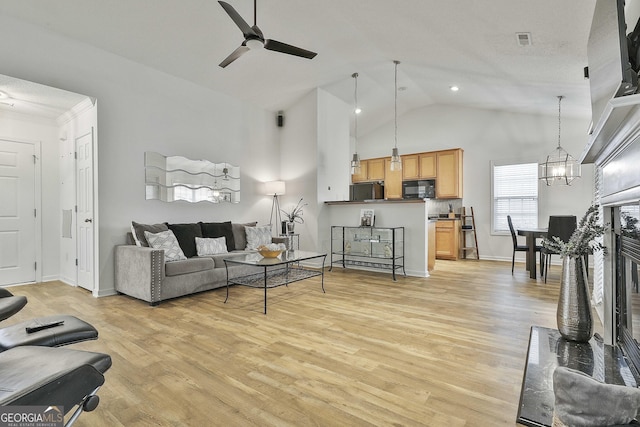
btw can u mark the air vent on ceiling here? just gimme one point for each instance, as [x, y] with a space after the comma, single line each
[524, 39]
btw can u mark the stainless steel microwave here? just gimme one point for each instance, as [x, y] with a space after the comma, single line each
[420, 189]
[366, 191]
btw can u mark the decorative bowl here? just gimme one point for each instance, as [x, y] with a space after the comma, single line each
[269, 254]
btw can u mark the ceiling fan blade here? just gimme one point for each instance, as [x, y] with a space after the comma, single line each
[240, 22]
[288, 49]
[234, 55]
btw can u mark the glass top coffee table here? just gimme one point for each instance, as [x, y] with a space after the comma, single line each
[268, 273]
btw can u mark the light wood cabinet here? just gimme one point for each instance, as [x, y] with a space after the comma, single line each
[376, 169]
[410, 166]
[447, 239]
[370, 170]
[427, 165]
[449, 174]
[362, 175]
[431, 248]
[392, 181]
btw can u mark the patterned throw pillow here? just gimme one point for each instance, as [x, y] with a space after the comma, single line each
[257, 236]
[211, 246]
[166, 241]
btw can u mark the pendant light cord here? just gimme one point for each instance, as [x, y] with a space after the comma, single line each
[396, 104]
[559, 101]
[355, 111]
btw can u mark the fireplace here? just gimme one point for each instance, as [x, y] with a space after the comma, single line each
[626, 261]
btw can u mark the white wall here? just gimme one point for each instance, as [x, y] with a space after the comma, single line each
[485, 136]
[314, 162]
[32, 129]
[141, 109]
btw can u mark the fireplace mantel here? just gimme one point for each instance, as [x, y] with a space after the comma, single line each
[618, 127]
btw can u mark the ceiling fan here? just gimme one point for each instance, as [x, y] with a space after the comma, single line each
[253, 38]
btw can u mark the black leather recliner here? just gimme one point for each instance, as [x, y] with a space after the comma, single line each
[34, 373]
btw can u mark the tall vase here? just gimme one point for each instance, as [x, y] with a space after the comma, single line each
[575, 322]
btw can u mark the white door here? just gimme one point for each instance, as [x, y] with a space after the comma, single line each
[17, 213]
[84, 199]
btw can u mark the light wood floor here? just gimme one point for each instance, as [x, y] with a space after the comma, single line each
[444, 351]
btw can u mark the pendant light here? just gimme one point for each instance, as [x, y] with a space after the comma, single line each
[396, 162]
[355, 162]
[560, 167]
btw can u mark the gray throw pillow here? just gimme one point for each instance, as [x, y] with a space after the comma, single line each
[138, 230]
[580, 400]
[258, 236]
[166, 241]
[239, 234]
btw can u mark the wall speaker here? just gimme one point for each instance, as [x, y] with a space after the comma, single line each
[280, 119]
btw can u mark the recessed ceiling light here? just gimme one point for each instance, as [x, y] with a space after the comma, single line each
[454, 88]
[358, 110]
[3, 95]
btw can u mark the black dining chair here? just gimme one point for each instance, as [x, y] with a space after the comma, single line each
[520, 248]
[561, 226]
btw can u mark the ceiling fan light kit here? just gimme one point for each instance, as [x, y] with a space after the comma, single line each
[254, 38]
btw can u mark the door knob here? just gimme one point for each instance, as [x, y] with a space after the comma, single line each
[88, 220]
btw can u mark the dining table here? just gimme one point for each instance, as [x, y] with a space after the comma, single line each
[531, 234]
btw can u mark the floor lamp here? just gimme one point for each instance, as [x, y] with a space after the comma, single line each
[275, 189]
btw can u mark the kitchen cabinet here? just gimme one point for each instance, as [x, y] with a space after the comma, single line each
[431, 246]
[410, 166]
[447, 239]
[392, 182]
[449, 174]
[427, 163]
[370, 170]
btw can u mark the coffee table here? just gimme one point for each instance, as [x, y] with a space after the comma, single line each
[272, 272]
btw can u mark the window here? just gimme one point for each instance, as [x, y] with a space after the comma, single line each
[515, 193]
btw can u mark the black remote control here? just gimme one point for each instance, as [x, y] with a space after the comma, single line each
[32, 329]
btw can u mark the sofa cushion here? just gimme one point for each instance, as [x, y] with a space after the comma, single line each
[205, 246]
[166, 241]
[240, 235]
[138, 230]
[186, 235]
[219, 229]
[258, 236]
[191, 265]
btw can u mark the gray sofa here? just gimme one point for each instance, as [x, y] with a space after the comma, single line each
[141, 272]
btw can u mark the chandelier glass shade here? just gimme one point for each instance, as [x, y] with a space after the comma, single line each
[560, 167]
[396, 161]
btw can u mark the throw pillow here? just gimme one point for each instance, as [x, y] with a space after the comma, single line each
[580, 400]
[206, 246]
[138, 232]
[219, 229]
[258, 236]
[186, 235]
[240, 236]
[166, 241]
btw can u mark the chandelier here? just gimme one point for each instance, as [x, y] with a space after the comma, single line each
[560, 167]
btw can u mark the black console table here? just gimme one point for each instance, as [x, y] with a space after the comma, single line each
[548, 350]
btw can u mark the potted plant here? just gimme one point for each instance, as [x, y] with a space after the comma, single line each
[294, 216]
[574, 318]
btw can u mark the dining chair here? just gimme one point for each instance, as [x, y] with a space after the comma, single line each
[561, 226]
[520, 248]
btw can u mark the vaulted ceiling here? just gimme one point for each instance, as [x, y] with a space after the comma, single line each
[468, 43]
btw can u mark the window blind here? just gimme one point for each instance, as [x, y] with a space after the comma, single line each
[515, 193]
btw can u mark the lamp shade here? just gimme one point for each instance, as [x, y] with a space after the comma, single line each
[274, 188]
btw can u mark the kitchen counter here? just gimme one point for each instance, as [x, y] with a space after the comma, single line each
[376, 201]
